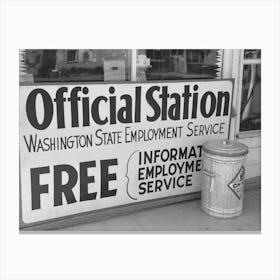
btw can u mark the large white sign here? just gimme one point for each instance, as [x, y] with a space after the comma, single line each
[85, 147]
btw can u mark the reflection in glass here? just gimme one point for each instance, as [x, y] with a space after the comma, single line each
[178, 64]
[74, 65]
[252, 54]
[250, 114]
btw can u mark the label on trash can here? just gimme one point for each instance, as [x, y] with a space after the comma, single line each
[237, 183]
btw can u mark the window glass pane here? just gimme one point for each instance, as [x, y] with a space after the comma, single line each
[178, 64]
[74, 65]
[252, 54]
[250, 114]
[72, 55]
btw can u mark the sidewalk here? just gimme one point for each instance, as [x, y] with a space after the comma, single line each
[184, 216]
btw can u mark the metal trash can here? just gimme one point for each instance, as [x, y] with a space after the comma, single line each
[223, 178]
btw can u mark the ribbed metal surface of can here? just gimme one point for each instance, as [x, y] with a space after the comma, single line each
[223, 178]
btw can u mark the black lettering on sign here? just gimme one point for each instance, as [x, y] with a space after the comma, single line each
[106, 177]
[85, 180]
[223, 95]
[36, 188]
[152, 102]
[65, 178]
[31, 108]
[60, 106]
[74, 98]
[66, 189]
[212, 104]
[95, 110]
[125, 108]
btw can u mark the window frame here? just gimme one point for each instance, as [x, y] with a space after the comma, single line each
[239, 56]
[134, 53]
[76, 56]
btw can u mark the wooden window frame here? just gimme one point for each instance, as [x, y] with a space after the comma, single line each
[238, 63]
[76, 56]
[243, 62]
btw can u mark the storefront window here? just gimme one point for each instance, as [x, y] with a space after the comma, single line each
[62, 65]
[75, 65]
[178, 64]
[250, 113]
[252, 54]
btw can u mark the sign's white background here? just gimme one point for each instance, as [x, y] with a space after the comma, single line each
[197, 24]
[120, 151]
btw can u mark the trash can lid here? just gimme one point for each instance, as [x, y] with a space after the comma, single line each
[226, 148]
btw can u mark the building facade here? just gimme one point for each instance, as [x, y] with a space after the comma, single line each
[117, 66]
[89, 65]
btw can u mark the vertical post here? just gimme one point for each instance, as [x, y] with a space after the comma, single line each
[133, 64]
[227, 63]
[231, 69]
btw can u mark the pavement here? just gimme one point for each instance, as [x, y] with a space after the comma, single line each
[180, 217]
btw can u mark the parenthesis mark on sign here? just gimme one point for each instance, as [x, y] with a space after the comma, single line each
[126, 175]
